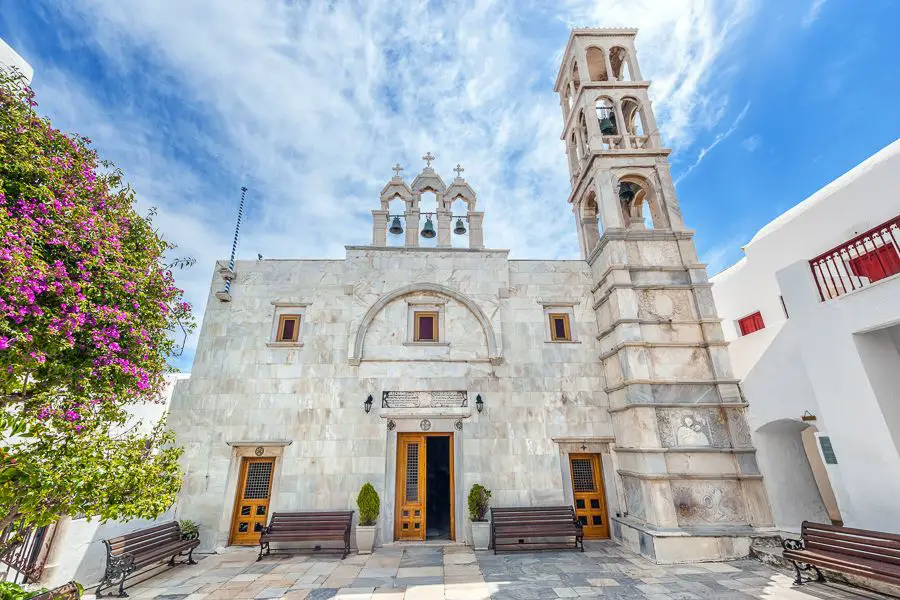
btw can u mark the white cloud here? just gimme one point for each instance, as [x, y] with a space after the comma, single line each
[310, 104]
[720, 137]
[751, 143]
[812, 13]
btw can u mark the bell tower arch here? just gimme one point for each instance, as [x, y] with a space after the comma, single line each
[686, 468]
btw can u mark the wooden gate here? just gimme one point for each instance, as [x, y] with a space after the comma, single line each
[411, 486]
[590, 500]
[251, 507]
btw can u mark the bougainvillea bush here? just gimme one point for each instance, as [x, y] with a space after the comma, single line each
[87, 313]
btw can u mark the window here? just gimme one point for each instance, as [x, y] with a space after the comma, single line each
[751, 323]
[559, 328]
[426, 327]
[876, 264]
[288, 328]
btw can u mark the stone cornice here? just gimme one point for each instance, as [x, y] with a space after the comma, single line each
[641, 344]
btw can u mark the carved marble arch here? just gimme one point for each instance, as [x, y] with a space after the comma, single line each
[596, 61]
[637, 191]
[633, 113]
[576, 79]
[397, 190]
[462, 191]
[359, 338]
[589, 221]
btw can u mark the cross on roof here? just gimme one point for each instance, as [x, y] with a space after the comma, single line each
[397, 168]
[459, 170]
[428, 158]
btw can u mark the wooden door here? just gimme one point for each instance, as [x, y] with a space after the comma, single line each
[590, 500]
[411, 460]
[251, 507]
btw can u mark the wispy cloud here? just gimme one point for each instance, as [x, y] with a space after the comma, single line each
[720, 137]
[751, 143]
[812, 13]
[311, 103]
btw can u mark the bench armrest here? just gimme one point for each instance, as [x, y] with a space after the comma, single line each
[792, 544]
[119, 565]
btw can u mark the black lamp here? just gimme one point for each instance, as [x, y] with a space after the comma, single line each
[368, 404]
[479, 403]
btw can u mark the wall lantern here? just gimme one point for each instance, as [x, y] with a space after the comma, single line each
[479, 403]
[368, 404]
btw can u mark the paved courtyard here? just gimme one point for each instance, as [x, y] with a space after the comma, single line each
[451, 572]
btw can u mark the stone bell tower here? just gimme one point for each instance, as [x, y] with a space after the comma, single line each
[685, 464]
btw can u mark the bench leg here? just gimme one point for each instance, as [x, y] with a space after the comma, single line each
[190, 560]
[171, 562]
[122, 593]
[799, 579]
[259, 558]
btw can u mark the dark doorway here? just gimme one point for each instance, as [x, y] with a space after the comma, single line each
[437, 488]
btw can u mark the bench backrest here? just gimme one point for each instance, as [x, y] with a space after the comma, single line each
[533, 514]
[860, 543]
[144, 540]
[332, 520]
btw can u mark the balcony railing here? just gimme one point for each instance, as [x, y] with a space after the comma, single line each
[25, 561]
[859, 262]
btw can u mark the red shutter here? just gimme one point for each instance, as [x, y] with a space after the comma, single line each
[751, 323]
[876, 264]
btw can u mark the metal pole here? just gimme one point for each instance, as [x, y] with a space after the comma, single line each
[237, 233]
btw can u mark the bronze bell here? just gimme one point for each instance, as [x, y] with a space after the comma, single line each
[460, 228]
[428, 231]
[608, 125]
[396, 227]
[626, 191]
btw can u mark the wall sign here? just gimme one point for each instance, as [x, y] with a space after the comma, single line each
[827, 450]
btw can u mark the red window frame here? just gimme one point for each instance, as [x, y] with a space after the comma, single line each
[751, 323]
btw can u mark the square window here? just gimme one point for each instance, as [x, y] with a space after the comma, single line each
[751, 323]
[288, 328]
[426, 327]
[559, 327]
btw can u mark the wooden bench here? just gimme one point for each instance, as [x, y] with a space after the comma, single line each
[870, 554]
[511, 528]
[68, 591]
[134, 551]
[308, 527]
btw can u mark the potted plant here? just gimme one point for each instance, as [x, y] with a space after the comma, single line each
[369, 505]
[189, 529]
[479, 498]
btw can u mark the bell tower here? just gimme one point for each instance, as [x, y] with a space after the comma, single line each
[686, 469]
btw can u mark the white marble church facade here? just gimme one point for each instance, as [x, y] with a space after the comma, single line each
[617, 356]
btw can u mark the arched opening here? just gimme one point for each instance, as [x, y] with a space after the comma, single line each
[459, 209]
[590, 223]
[596, 64]
[428, 205]
[396, 210]
[790, 473]
[572, 151]
[576, 80]
[618, 60]
[641, 205]
[634, 122]
[568, 101]
[606, 117]
[583, 132]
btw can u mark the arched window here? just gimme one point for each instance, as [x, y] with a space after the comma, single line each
[576, 80]
[396, 210]
[634, 122]
[596, 64]
[606, 117]
[641, 206]
[590, 224]
[618, 60]
[582, 128]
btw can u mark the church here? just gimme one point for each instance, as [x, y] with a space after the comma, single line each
[603, 383]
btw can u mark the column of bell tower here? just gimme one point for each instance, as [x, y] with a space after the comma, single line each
[686, 470]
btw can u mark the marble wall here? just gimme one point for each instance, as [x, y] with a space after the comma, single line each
[303, 402]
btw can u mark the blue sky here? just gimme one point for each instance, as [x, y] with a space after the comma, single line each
[309, 104]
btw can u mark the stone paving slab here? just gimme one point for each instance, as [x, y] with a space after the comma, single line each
[455, 572]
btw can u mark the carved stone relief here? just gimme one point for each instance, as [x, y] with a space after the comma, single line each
[692, 428]
[634, 498]
[708, 502]
[740, 430]
[664, 305]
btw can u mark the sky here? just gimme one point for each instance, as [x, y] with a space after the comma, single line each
[309, 104]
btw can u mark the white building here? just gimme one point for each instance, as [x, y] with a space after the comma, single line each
[812, 314]
[9, 58]
[602, 383]
[74, 547]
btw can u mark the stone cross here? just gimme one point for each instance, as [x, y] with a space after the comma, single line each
[428, 158]
[458, 170]
[397, 168]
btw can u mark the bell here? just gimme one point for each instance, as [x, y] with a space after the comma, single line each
[428, 230]
[608, 125]
[396, 227]
[460, 229]
[626, 191]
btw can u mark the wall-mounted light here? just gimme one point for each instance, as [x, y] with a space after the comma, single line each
[479, 403]
[368, 404]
